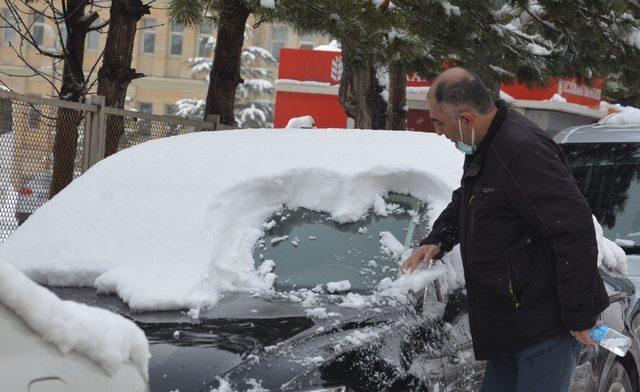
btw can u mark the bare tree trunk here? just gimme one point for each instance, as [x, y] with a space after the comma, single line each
[72, 89]
[397, 112]
[360, 91]
[225, 72]
[116, 73]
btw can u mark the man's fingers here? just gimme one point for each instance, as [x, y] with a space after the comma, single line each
[410, 263]
[431, 253]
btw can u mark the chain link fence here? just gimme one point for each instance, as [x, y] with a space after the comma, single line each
[28, 129]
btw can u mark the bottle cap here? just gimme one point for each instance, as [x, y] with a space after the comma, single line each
[598, 332]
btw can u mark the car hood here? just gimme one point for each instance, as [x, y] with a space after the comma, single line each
[248, 341]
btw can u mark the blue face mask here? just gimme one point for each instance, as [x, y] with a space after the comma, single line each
[462, 146]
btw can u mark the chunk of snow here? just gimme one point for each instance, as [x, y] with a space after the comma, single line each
[336, 287]
[537, 50]
[279, 239]
[623, 242]
[450, 9]
[194, 313]
[266, 267]
[359, 337]
[609, 253]
[558, 98]
[301, 122]
[268, 3]
[379, 206]
[362, 230]
[353, 300]
[333, 46]
[106, 338]
[194, 239]
[623, 115]
[390, 245]
[269, 225]
[320, 313]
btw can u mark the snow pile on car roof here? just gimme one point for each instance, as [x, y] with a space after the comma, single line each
[172, 223]
[107, 338]
[623, 115]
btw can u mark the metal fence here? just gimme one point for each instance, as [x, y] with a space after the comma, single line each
[28, 129]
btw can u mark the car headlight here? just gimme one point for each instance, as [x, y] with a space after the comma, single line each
[326, 389]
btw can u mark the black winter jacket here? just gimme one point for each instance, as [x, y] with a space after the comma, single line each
[526, 238]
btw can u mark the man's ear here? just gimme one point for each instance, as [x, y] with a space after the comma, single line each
[467, 119]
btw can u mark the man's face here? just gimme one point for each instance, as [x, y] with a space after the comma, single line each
[442, 123]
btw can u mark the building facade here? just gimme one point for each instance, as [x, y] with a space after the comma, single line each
[162, 52]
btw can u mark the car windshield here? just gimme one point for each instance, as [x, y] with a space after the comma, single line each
[608, 174]
[309, 248]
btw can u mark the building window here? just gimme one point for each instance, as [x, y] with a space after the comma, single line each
[307, 41]
[93, 40]
[146, 107]
[177, 37]
[148, 35]
[170, 109]
[38, 29]
[205, 40]
[8, 33]
[279, 35]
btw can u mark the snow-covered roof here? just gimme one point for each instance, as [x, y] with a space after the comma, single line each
[106, 338]
[172, 223]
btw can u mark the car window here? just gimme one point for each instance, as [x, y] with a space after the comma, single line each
[309, 248]
[608, 174]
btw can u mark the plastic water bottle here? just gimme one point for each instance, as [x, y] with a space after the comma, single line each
[611, 339]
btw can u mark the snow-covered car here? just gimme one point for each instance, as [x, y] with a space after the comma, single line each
[53, 345]
[32, 194]
[605, 160]
[269, 260]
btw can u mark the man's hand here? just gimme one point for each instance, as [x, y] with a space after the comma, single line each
[421, 255]
[584, 337]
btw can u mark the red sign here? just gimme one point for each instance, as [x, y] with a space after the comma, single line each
[301, 65]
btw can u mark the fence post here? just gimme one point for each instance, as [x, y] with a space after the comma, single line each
[94, 133]
[214, 119]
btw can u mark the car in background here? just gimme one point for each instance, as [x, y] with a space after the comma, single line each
[605, 160]
[33, 193]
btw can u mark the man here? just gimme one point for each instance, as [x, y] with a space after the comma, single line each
[526, 238]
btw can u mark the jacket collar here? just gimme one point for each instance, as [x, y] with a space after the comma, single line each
[473, 163]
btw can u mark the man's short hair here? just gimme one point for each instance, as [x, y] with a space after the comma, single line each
[465, 92]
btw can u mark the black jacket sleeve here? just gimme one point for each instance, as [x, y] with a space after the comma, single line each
[543, 191]
[445, 228]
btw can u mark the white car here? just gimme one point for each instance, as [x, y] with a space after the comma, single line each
[61, 346]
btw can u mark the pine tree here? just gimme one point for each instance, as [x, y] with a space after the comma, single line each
[253, 106]
[231, 17]
[525, 41]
